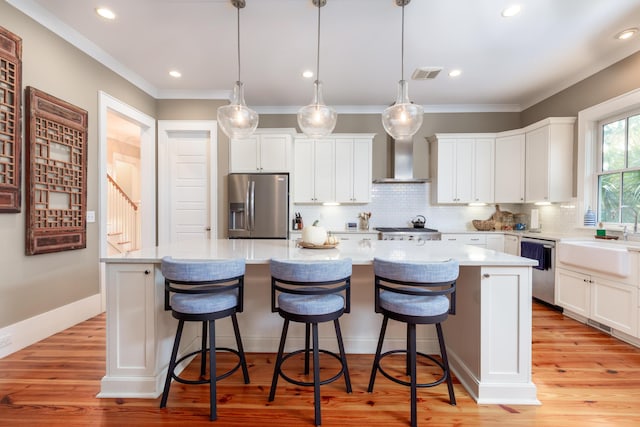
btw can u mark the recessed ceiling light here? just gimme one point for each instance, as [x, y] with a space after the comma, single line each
[307, 74]
[511, 11]
[106, 13]
[627, 34]
[175, 73]
[455, 73]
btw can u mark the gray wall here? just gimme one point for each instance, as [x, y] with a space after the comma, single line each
[30, 285]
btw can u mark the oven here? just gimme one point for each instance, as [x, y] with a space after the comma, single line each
[407, 233]
[543, 275]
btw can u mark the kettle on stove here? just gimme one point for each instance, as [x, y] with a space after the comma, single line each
[419, 221]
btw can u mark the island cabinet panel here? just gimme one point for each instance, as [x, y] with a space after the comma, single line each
[489, 352]
[139, 331]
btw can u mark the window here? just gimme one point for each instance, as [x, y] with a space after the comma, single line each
[618, 170]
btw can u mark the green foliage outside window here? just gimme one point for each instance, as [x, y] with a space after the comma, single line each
[619, 178]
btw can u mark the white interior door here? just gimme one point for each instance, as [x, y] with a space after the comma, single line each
[187, 158]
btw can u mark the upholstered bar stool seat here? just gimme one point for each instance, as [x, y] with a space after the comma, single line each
[204, 291]
[415, 294]
[310, 292]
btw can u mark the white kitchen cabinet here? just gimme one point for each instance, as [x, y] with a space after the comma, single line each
[549, 160]
[495, 242]
[614, 304]
[512, 244]
[314, 173]
[510, 168]
[265, 151]
[609, 300]
[353, 170]
[475, 239]
[463, 165]
[573, 291]
[336, 169]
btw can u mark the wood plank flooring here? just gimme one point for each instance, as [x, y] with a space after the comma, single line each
[584, 378]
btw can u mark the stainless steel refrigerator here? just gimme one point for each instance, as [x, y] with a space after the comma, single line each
[258, 206]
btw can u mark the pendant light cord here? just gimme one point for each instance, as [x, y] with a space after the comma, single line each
[402, 47]
[318, 51]
[238, 8]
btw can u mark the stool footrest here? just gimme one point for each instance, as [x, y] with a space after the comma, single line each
[310, 383]
[206, 380]
[440, 380]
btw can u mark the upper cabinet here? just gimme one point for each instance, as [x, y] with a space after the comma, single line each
[353, 170]
[533, 164]
[463, 165]
[509, 168]
[335, 169]
[267, 150]
[549, 160]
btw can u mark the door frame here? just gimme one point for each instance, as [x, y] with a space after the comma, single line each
[165, 127]
[147, 125]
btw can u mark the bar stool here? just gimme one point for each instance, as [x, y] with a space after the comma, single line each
[416, 294]
[204, 291]
[311, 292]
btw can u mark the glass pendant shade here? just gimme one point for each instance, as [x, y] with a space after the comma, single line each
[236, 119]
[316, 119]
[403, 119]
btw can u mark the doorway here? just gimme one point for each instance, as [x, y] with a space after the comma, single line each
[127, 206]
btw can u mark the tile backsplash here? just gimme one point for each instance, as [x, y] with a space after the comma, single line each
[395, 205]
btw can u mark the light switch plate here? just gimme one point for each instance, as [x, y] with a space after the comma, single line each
[91, 216]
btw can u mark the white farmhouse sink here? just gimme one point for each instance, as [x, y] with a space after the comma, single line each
[610, 258]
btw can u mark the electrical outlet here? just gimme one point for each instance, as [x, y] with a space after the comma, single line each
[91, 216]
[5, 341]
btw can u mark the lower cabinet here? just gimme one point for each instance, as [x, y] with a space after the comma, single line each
[488, 241]
[512, 244]
[606, 301]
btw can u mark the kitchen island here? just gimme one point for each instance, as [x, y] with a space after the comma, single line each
[488, 340]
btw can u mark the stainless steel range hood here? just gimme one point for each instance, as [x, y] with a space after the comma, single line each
[399, 163]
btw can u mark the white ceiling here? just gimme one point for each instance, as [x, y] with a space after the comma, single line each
[507, 64]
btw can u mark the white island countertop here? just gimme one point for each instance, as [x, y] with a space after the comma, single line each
[361, 252]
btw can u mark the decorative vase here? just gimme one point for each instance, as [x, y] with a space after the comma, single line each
[363, 224]
[590, 218]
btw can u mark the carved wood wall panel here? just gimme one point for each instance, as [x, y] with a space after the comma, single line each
[10, 142]
[56, 175]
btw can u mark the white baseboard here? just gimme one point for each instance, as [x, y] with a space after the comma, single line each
[30, 331]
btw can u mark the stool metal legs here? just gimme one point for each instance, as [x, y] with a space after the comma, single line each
[208, 332]
[172, 364]
[311, 346]
[411, 365]
[445, 362]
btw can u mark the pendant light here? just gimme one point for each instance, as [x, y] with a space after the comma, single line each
[403, 119]
[236, 119]
[316, 119]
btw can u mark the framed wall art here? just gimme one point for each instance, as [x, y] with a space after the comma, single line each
[56, 174]
[10, 142]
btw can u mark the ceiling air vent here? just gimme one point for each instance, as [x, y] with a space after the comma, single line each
[426, 73]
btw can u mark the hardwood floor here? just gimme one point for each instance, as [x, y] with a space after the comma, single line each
[584, 378]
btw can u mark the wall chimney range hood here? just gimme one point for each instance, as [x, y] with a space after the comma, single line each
[400, 163]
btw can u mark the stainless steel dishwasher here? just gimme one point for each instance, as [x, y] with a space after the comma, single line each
[543, 277]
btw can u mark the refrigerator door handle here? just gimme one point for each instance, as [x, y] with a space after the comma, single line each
[247, 225]
[252, 212]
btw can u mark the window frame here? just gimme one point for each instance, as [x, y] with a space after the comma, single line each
[589, 156]
[626, 115]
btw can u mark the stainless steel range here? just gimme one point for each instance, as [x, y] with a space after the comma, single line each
[407, 233]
